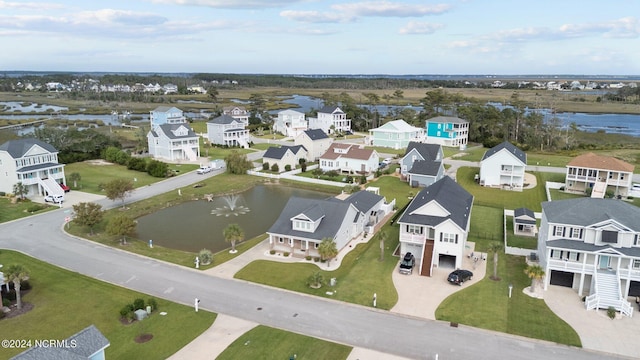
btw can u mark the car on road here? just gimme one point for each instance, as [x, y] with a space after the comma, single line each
[65, 187]
[204, 169]
[56, 199]
[457, 277]
[407, 264]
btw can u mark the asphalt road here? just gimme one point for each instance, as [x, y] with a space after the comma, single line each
[41, 236]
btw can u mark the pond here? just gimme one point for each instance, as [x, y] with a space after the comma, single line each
[197, 225]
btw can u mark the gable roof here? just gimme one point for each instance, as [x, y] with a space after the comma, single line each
[364, 200]
[335, 213]
[353, 152]
[89, 340]
[524, 216]
[519, 154]
[274, 152]
[168, 130]
[329, 109]
[164, 109]
[425, 167]
[18, 148]
[316, 134]
[427, 151]
[593, 161]
[447, 119]
[223, 119]
[589, 211]
[451, 196]
[396, 126]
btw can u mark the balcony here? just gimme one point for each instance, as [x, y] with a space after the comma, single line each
[413, 238]
[571, 266]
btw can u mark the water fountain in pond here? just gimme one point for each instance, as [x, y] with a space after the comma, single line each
[231, 207]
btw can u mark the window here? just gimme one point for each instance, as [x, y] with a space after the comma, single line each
[575, 233]
[610, 237]
[315, 245]
[636, 264]
[558, 230]
[281, 240]
[636, 240]
[574, 256]
[556, 254]
[414, 229]
[450, 238]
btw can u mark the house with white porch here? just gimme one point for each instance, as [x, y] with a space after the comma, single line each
[592, 246]
[396, 134]
[290, 123]
[32, 162]
[524, 222]
[330, 119]
[600, 174]
[283, 156]
[349, 159]
[422, 164]
[435, 226]
[228, 131]
[304, 223]
[237, 112]
[447, 131]
[166, 115]
[173, 142]
[503, 166]
[316, 141]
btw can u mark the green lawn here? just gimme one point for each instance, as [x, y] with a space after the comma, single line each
[386, 150]
[561, 195]
[524, 242]
[488, 306]
[282, 345]
[66, 302]
[486, 226]
[21, 209]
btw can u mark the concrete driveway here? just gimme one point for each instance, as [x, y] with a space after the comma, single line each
[73, 197]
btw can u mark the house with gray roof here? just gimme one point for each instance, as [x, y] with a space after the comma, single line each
[316, 141]
[503, 166]
[330, 119]
[33, 163]
[435, 226]
[524, 222]
[304, 223]
[592, 246]
[228, 131]
[173, 142]
[447, 131]
[283, 156]
[421, 164]
[166, 115]
[88, 344]
[372, 207]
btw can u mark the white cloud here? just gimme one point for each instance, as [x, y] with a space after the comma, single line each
[418, 27]
[316, 16]
[229, 4]
[28, 6]
[391, 9]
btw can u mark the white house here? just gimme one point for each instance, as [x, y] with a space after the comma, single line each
[226, 130]
[290, 123]
[238, 113]
[600, 174]
[166, 115]
[396, 134]
[303, 223]
[421, 164]
[32, 162]
[315, 141]
[592, 246]
[331, 119]
[349, 158]
[435, 226]
[283, 156]
[503, 166]
[173, 142]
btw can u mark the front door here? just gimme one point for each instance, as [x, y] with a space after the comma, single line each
[604, 261]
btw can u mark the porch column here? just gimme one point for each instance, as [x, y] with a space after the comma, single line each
[628, 281]
[547, 277]
[582, 273]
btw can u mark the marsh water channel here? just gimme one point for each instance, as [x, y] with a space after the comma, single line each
[197, 225]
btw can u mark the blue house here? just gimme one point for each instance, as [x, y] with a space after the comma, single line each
[448, 131]
[166, 115]
[421, 164]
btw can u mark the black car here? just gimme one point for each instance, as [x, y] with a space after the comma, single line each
[459, 276]
[407, 264]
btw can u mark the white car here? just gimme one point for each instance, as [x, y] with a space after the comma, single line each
[387, 161]
[56, 199]
[204, 169]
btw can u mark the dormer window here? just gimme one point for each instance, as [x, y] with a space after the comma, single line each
[609, 237]
[302, 225]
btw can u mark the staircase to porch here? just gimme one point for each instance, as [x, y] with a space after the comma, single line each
[191, 155]
[599, 189]
[51, 186]
[607, 294]
[243, 143]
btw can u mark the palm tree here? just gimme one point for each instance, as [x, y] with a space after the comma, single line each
[327, 249]
[495, 247]
[233, 233]
[535, 273]
[17, 274]
[382, 236]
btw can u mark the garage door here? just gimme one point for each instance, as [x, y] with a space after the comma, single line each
[416, 250]
[561, 278]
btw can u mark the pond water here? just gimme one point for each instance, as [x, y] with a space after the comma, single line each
[197, 225]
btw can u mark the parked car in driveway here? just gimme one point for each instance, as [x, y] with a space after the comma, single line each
[407, 264]
[56, 199]
[457, 277]
[65, 187]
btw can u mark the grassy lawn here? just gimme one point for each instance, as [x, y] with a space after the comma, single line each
[92, 175]
[561, 195]
[21, 209]
[281, 345]
[214, 152]
[66, 302]
[387, 150]
[488, 306]
[486, 226]
[524, 242]
[262, 146]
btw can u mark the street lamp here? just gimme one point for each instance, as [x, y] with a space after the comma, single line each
[510, 288]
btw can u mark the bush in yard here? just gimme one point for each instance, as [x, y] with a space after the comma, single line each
[122, 157]
[35, 207]
[153, 304]
[285, 254]
[287, 167]
[205, 257]
[127, 311]
[331, 173]
[275, 168]
[363, 179]
[137, 164]
[110, 154]
[308, 257]
[157, 169]
[349, 179]
[611, 312]
[265, 166]
[138, 304]
[272, 252]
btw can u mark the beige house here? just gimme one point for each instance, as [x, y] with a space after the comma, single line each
[316, 141]
[600, 174]
[283, 156]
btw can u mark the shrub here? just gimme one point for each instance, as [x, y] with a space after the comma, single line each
[265, 166]
[287, 167]
[25, 285]
[285, 254]
[157, 169]
[2, 193]
[124, 312]
[205, 256]
[331, 173]
[34, 207]
[363, 179]
[153, 304]
[349, 179]
[275, 168]
[303, 166]
[138, 304]
[611, 312]
[316, 259]
[5, 302]
[308, 257]
[137, 164]
[272, 252]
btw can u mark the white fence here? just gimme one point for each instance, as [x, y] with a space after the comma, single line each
[511, 250]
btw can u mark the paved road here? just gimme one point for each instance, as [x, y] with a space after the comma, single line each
[41, 236]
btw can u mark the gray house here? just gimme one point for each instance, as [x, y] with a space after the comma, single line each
[421, 164]
[88, 344]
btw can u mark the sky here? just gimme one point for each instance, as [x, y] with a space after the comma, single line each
[457, 37]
